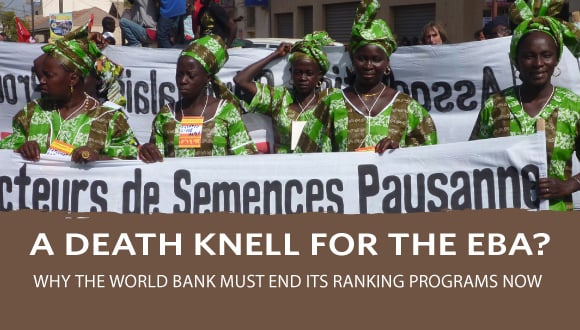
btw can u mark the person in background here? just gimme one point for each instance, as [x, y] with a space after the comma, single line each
[479, 35]
[77, 126]
[289, 106]
[108, 29]
[171, 14]
[535, 50]
[188, 33]
[217, 120]
[497, 28]
[213, 19]
[434, 34]
[139, 30]
[368, 115]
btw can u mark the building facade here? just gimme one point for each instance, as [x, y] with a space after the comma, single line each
[294, 19]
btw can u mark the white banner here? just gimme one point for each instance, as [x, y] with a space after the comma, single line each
[449, 80]
[465, 175]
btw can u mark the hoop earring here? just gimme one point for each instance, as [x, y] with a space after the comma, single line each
[208, 90]
[388, 71]
[557, 74]
[318, 84]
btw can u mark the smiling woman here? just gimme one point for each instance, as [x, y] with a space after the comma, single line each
[536, 49]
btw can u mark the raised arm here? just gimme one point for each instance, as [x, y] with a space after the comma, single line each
[244, 79]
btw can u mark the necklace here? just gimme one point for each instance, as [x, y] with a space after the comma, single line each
[202, 111]
[369, 110]
[303, 108]
[545, 104]
[85, 105]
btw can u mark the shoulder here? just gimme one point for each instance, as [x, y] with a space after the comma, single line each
[567, 94]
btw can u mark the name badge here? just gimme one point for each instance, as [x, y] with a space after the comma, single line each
[190, 132]
[60, 148]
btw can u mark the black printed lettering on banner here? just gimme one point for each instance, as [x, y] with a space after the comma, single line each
[268, 197]
[490, 85]
[442, 95]
[51, 195]
[8, 89]
[420, 88]
[446, 95]
[465, 190]
[469, 93]
[139, 197]
[145, 97]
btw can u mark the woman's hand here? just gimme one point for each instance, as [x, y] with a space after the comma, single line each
[84, 154]
[283, 49]
[29, 150]
[556, 188]
[149, 153]
[386, 144]
[98, 39]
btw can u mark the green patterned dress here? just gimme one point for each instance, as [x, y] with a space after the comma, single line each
[224, 134]
[103, 129]
[338, 125]
[275, 102]
[503, 115]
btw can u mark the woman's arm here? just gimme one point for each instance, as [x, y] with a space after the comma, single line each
[244, 79]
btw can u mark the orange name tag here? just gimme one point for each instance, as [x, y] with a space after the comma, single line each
[365, 149]
[190, 132]
[58, 147]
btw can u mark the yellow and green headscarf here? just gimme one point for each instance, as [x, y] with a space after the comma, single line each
[311, 47]
[367, 30]
[75, 51]
[536, 15]
[210, 51]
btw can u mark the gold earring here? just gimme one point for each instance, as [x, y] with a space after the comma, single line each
[318, 84]
[71, 89]
[388, 71]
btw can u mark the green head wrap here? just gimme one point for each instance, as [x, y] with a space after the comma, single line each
[311, 46]
[75, 51]
[535, 15]
[367, 30]
[210, 51]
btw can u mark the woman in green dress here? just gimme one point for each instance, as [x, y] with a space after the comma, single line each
[368, 115]
[287, 106]
[199, 124]
[535, 51]
[68, 121]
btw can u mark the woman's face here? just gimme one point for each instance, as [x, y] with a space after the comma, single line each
[190, 77]
[369, 63]
[537, 58]
[432, 37]
[305, 75]
[55, 80]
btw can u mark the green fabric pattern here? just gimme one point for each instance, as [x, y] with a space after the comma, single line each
[338, 126]
[311, 46]
[536, 16]
[75, 54]
[103, 129]
[562, 116]
[210, 51]
[275, 102]
[224, 134]
[367, 30]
